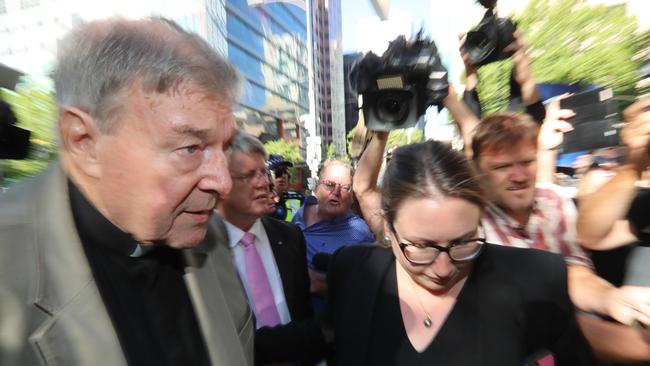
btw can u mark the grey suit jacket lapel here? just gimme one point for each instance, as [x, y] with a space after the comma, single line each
[77, 329]
[218, 299]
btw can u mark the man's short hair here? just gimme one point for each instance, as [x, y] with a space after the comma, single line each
[501, 131]
[329, 162]
[247, 144]
[98, 62]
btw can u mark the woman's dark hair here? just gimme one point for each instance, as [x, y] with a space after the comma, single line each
[427, 170]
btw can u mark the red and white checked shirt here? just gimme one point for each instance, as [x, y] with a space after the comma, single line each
[551, 226]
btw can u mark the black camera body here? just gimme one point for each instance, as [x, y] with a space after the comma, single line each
[400, 85]
[486, 42]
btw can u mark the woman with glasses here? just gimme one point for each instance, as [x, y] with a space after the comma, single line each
[434, 293]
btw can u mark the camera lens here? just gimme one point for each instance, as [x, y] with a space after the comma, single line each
[392, 107]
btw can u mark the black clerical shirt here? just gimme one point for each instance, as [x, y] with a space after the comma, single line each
[145, 295]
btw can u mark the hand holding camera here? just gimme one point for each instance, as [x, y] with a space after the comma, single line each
[521, 70]
[471, 76]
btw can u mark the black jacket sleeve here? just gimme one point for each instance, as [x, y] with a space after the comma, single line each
[562, 335]
[294, 342]
[537, 111]
[471, 99]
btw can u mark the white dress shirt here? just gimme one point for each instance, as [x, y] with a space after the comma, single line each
[263, 247]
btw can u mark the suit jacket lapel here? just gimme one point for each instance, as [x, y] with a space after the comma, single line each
[77, 329]
[214, 287]
[283, 256]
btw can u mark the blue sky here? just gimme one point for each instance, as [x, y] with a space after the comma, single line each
[352, 11]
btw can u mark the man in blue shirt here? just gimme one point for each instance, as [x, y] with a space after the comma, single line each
[327, 221]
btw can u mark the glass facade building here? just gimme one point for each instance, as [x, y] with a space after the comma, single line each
[328, 72]
[267, 41]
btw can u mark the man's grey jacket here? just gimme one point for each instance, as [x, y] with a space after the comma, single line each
[51, 312]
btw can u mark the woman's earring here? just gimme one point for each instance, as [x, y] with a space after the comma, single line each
[386, 239]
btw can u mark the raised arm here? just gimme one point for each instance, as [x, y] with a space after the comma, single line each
[522, 72]
[602, 213]
[523, 76]
[464, 117]
[551, 135]
[470, 95]
[365, 181]
[593, 294]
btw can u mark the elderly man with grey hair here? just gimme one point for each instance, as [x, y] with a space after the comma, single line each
[110, 257]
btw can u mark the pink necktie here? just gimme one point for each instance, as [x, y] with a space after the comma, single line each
[258, 282]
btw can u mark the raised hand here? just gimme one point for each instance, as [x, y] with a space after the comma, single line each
[551, 134]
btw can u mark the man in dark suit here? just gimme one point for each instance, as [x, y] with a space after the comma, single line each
[109, 257]
[269, 254]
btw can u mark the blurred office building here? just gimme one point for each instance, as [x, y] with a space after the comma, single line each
[269, 41]
[327, 59]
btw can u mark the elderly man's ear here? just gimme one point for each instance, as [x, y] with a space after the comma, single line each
[79, 137]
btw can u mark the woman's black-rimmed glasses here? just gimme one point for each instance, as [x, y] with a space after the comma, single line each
[457, 250]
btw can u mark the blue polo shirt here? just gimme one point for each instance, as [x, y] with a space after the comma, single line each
[329, 235]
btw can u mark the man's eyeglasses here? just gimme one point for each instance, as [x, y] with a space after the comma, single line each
[457, 250]
[331, 186]
[254, 176]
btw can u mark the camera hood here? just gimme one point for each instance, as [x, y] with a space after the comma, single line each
[400, 85]
[479, 46]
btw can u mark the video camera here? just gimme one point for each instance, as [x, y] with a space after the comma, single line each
[400, 85]
[486, 42]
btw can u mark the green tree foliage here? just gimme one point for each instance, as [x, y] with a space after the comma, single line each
[35, 108]
[332, 154]
[642, 48]
[642, 45]
[569, 41]
[403, 137]
[288, 149]
[349, 138]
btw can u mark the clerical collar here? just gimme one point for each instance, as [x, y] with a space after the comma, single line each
[93, 226]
